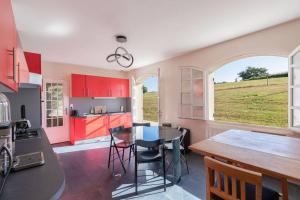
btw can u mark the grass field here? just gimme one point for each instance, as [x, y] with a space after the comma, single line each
[150, 106]
[253, 102]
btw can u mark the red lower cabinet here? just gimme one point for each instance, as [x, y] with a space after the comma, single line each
[82, 128]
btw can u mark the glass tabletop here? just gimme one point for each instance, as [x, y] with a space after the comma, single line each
[150, 133]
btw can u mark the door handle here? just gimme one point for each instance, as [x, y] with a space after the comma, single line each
[13, 54]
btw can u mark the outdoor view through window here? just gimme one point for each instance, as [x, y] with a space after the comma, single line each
[150, 99]
[253, 90]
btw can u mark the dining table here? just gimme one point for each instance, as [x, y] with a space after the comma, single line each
[271, 155]
[150, 133]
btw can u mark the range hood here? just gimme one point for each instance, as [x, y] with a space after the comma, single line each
[34, 80]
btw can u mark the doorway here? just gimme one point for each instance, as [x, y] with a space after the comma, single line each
[55, 119]
[151, 100]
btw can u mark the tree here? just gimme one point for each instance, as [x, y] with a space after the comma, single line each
[253, 73]
[145, 89]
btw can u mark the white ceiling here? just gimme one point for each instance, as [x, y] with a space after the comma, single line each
[81, 31]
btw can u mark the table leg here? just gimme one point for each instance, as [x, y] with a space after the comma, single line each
[284, 189]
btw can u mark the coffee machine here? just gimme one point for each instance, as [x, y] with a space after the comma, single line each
[6, 140]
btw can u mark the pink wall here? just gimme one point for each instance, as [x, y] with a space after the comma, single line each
[279, 40]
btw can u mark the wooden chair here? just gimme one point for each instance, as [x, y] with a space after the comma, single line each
[228, 182]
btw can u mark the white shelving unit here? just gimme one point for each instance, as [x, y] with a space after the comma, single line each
[294, 90]
[192, 100]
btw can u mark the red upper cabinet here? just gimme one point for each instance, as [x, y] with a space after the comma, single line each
[8, 43]
[115, 87]
[92, 86]
[78, 85]
[124, 88]
[34, 62]
[95, 86]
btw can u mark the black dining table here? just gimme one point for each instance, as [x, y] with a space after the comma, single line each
[150, 133]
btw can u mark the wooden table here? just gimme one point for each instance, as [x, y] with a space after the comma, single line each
[272, 155]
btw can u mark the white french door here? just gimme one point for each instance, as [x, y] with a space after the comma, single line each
[55, 120]
[294, 89]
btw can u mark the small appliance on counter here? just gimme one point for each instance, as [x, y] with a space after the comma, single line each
[100, 109]
[6, 140]
[74, 113]
[22, 125]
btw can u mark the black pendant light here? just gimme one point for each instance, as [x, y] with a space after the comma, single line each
[121, 55]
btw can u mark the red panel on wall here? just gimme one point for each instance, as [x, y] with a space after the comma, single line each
[34, 62]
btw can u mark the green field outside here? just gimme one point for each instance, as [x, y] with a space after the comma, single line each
[150, 107]
[253, 102]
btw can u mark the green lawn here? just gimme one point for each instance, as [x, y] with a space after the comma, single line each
[151, 106]
[253, 102]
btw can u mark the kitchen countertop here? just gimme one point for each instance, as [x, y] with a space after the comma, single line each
[42, 182]
[103, 114]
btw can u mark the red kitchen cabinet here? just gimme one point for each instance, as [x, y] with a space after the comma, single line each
[115, 87]
[95, 86]
[127, 120]
[23, 75]
[8, 43]
[124, 87]
[115, 120]
[92, 86]
[88, 127]
[78, 85]
[34, 62]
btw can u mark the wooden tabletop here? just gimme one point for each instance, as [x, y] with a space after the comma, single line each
[272, 155]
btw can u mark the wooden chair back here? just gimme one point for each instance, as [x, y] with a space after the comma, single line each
[218, 176]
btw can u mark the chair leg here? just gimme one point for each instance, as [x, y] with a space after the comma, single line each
[109, 155]
[135, 175]
[120, 159]
[164, 170]
[186, 163]
[113, 161]
[123, 155]
[130, 153]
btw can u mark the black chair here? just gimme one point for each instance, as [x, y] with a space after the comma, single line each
[124, 144]
[167, 124]
[169, 147]
[134, 124]
[155, 153]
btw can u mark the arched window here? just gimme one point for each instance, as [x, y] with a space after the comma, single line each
[252, 90]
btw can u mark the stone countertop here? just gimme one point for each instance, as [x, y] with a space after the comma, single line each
[42, 182]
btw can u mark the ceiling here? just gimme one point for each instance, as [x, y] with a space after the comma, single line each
[82, 31]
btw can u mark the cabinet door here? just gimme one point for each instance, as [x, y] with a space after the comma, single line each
[79, 129]
[127, 120]
[124, 87]
[23, 75]
[115, 121]
[92, 86]
[78, 85]
[34, 62]
[7, 46]
[104, 87]
[115, 87]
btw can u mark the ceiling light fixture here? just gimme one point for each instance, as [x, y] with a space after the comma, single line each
[121, 55]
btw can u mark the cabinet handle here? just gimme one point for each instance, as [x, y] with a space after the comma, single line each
[13, 54]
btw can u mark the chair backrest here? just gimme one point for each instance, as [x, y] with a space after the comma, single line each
[140, 124]
[116, 129]
[220, 175]
[183, 134]
[150, 144]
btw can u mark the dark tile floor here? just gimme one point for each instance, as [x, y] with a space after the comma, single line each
[88, 178]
